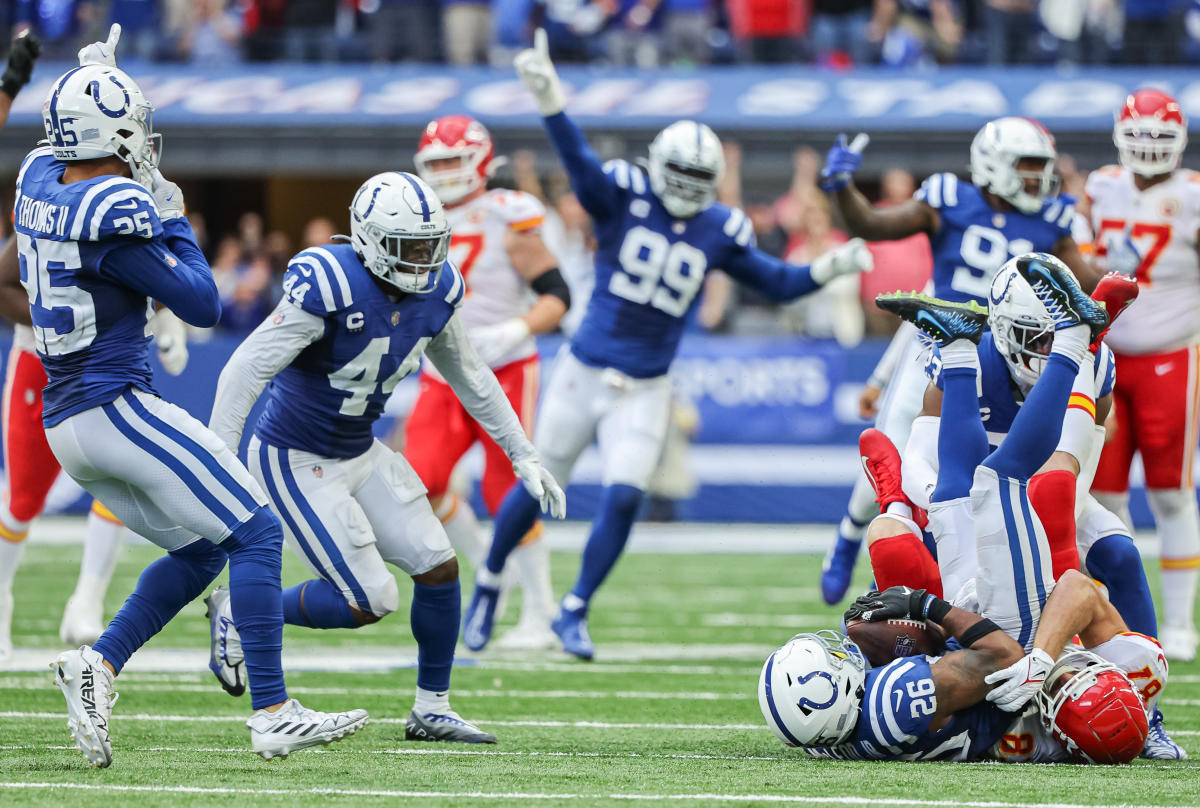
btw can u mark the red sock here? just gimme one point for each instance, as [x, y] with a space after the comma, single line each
[1052, 495]
[904, 561]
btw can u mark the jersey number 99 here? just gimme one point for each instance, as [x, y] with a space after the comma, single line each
[655, 271]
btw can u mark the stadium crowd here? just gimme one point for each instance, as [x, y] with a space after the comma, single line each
[645, 33]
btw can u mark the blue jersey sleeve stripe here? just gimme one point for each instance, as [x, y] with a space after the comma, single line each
[949, 190]
[637, 180]
[85, 204]
[334, 268]
[935, 190]
[105, 205]
[456, 286]
[745, 236]
[318, 272]
[889, 712]
[770, 696]
[734, 222]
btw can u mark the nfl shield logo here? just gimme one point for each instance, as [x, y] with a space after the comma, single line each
[318, 472]
[395, 318]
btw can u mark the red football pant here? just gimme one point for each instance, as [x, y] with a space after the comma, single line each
[440, 431]
[31, 466]
[1156, 399]
[904, 560]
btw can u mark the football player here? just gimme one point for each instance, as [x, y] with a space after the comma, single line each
[658, 233]
[101, 236]
[513, 292]
[1011, 206]
[1146, 216]
[354, 320]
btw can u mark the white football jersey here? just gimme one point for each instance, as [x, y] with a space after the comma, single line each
[1029, 740]
[1162, 221]
[495, 290]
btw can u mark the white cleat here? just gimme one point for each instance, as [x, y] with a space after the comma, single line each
[293, 727]
[529, 635]
[1178, 642]
[81, 623]
[6, 610]
[225, 658]
[87, 685]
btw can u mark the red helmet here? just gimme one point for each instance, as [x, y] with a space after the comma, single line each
[1150, 133]
[1097, 714]
[450, 137]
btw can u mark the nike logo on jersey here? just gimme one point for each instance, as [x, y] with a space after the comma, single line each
[130, 205]
[899, 697]
[1164, 368]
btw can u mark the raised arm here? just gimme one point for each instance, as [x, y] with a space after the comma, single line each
[861, 217]
[780, 281]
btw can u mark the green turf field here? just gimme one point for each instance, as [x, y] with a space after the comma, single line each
[667, 715]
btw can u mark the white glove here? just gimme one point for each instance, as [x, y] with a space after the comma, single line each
[1019, 681]
[1122, 253]
[537, 71]
[492, 342]
[171, 336]
[542, 486]
[851, 257]
[102, 53]
[167, 196]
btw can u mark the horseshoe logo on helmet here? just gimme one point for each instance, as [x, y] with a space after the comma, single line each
[112, 113]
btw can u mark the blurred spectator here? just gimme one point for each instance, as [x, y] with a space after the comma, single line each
[1088, 30]
[212, 35]
[905, 265]
[277, 251]
[318, 231]
[1151, 37]
[466, 31]
[140, 26]
[917, 30]
[1011, 29]
[62, 25]
[686, 26]
[309, 34]
[769, 31]
[841, 31]
[633, 32]
[262, 29]
[243, 282]
[833, 310]
[790, 207]
[401, 30]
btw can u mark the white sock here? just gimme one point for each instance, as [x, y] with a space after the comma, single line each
[463, 529]
[532, 560]
[899, 509]
[1178, 523]
[1072, 342]
[961, 353]
[101, 547]
[573, 603]
[430, 701]
[10, 559]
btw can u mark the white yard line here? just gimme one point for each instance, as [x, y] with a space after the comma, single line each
[482, 795]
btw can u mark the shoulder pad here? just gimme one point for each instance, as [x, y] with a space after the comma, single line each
[1060, 212]
[627, 176]
[939, 191]
[316, 282]
[115, 207]
[738, 226]
[519, 210]
[452, 284]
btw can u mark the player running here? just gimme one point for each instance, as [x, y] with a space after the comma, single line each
[658, 233]
[1011, 206]
[354, 320]
[513, 292]
[1146, 215]
[101, 236]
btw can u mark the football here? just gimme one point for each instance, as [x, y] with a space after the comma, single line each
[885, 640]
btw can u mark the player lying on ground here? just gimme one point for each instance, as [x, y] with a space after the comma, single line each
[1011, 206]
[354, 320]
[102, 236]
[658, 233]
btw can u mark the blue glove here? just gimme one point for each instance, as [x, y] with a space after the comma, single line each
[842, 161]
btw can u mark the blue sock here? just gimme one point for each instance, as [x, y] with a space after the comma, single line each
[317, 604]
[255, 555]
[618, 508]
[1116, 563]
[516, 517]
[165, 587]
[435, 618]
[962, 441]
[1038, 425]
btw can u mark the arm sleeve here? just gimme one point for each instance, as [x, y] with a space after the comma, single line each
[769, 276]
[182, 281]
[269, 349]
[476, 387]
[597, 193]
[920, 465]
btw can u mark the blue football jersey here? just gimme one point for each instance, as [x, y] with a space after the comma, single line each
[999, 398]
[897, 709]
[89, 328]
[328, 398]
[974, 240]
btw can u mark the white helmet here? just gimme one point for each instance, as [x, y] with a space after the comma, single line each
[1022, 326]
[96, 111]
[811, 688]
[686, 163]
[399, 230]
[997, 148]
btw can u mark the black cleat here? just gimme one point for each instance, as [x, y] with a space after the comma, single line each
[1061, 294]
[940, 320]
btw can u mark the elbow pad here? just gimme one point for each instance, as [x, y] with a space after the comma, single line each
[551, 282]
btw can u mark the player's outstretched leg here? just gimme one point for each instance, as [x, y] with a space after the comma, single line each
[838, 565]
[83, 618]
[516, 517]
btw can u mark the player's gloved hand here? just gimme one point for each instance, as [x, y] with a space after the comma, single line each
[24, 52]
[492, 342]
[1123, 255]
[170, 334]
[893, 603]
[542, 486]
[167, 196]
[537, 71]
[1020, 681]
[842, 161]
[851, 257]
[102, 53]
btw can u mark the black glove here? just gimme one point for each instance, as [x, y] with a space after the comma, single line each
[21, 56]
[894, 603]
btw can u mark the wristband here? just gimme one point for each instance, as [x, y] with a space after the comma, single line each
[935, 609]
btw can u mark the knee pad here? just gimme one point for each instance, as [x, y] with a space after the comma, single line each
[1111, 557]
[1168, 502]
[383, 595]
[208, 558]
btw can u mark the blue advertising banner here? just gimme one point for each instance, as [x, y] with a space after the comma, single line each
[736, 97]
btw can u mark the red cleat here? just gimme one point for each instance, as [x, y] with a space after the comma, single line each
[1116, 292]
[881, 462]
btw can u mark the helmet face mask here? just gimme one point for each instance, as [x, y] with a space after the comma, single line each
[811, 688]
[1005, 157]
[1093, 709]
[1150, 133]
[1021, 325]
[685, 166]
[399, 230]
[455, 157]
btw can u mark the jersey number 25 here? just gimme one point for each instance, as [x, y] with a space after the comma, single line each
[655, 271]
